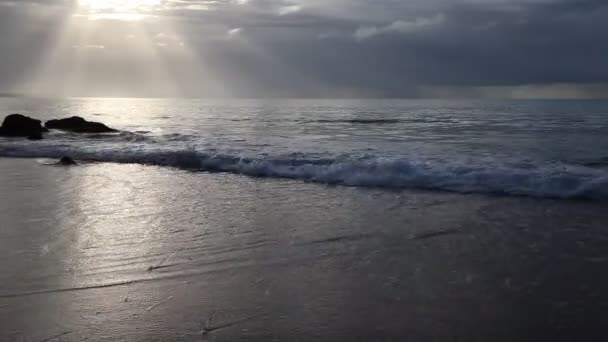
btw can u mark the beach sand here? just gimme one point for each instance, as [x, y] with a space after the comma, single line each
[110, 252]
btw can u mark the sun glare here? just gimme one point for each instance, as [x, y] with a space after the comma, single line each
[120, 5]
[119, 9]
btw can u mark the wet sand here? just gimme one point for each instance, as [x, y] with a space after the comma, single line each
[108, 252]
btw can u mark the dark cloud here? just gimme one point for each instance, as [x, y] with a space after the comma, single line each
[313, 47]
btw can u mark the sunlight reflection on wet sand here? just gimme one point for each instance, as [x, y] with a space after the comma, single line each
[125, 252]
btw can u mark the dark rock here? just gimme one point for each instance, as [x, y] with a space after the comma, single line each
[67, 161]
[17, 125]
[77, 124]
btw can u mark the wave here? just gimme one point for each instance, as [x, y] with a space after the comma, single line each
[490, 176]
[361, 121]
[433, 120]
[120, 136]
[603, 162]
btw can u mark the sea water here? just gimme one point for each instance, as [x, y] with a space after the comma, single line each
[539, 148]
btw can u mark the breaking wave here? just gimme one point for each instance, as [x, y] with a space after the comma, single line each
[491, 176]
[361, 121]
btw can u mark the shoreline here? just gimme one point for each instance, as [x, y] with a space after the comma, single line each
[362, 175]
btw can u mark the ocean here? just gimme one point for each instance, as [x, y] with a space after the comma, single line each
[529, 148]
[307, 220]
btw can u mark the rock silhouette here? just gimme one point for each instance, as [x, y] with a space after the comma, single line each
[77, 124]
[17, 125]
[67, 161]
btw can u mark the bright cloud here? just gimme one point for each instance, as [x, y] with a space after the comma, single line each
[400, 26]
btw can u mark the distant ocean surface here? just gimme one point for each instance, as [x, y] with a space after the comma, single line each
[556, 149]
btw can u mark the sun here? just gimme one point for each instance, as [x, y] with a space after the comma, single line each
[120, 6]
[130, 10]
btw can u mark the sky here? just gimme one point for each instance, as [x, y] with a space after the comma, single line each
[305, 48]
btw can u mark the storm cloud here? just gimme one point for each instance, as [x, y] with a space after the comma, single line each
[302, 48]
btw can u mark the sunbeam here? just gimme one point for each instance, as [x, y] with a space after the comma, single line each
[105, 48]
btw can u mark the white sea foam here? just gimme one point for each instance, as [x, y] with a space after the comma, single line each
[556, 180]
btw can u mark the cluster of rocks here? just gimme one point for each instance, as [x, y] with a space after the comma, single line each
[17, 125]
